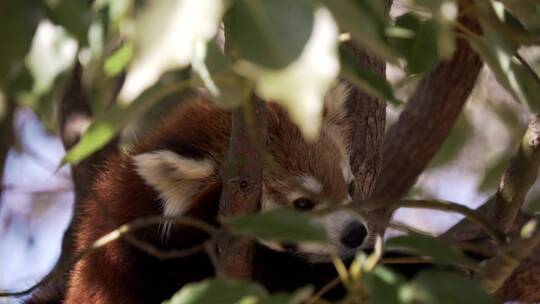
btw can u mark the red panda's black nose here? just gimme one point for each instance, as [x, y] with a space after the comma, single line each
[353, 235]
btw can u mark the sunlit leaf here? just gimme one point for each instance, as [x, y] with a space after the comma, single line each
[497, 49]
[383, 285]
[420, 49]
[269, 33]
[215, 72]
[509, 74]
[430, 246]
[166, 34]
[18, 23]
[40, 84]
[53, 52]
[118, 60]
[73, 15]
[302, 85]
[219, 291]
[444, 287]
[364, 78]
[366, 22]
[279, 225]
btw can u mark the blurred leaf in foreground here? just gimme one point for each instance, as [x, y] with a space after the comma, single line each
[279, 225]
[166, 34]
[301, 86]
[444, 287]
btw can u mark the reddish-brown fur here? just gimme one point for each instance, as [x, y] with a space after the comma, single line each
[120, 273]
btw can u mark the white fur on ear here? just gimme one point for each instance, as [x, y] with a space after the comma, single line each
[175, 177]
[334, 102]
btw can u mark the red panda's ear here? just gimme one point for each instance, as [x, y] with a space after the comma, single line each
[176, 178]
[335, 110]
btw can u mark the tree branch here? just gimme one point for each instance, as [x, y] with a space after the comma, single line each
[520, 175]
[242, 182]
[427, 119]
[497, 269]
[502, 210]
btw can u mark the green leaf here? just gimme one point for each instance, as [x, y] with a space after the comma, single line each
[366, 22]
[302, 85]
[509, 74]
[118, 60]
[420, 49]
[279, 225]
[444, 14]
[425, 245]
[219, 291]
[298, 297]
[18, 23]
[73, 15]
[364, 78]
[527, 11]
[105, 127]
[453, 145]
[444, 287]
[383, 285]
[269, 33]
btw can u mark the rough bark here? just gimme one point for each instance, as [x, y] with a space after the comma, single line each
[426, 121]
[368, 115]
[242, 182]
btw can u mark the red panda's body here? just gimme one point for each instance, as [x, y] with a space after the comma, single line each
[176, 171]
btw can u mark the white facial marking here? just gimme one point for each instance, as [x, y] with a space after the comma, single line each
[175, 177]
[267, 203]
[346, 171]
[311, 183]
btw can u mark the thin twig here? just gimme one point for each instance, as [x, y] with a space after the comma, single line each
[210, 249]
[408, 229]
[159, 253]
[407, 260]
[423, 204]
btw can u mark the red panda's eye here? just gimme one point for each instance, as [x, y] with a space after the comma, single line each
[304, 204]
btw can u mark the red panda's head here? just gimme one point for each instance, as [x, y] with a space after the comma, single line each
[321, 168]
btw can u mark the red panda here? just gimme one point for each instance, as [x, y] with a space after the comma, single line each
[176, 171]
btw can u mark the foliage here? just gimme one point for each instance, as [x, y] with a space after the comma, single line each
[290, 51]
